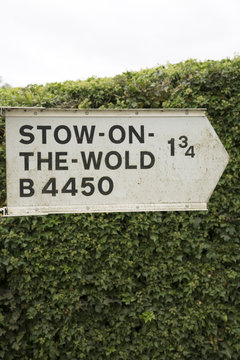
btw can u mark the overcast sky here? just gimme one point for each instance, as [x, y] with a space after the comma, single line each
[56, 40]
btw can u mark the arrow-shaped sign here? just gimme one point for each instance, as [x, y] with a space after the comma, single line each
[66, 161]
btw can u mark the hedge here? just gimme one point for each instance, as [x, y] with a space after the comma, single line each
[128, 286]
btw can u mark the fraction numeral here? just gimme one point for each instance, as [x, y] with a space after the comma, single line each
[183, 144]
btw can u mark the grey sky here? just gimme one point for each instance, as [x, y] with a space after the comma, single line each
[55, 40]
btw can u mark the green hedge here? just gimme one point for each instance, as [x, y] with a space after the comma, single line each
[129, 286]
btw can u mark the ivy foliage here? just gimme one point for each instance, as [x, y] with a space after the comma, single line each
[128, 286]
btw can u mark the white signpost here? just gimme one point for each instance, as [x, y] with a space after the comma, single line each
[77, 161]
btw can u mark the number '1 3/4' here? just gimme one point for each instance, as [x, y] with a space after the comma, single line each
[183, 143]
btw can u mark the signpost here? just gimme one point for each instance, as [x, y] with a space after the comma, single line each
[77, 161]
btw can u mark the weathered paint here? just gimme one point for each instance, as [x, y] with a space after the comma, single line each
[146, 160]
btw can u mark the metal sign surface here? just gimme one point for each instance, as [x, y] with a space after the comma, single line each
[67, 161]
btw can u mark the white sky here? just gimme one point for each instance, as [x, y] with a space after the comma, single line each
[56, 40]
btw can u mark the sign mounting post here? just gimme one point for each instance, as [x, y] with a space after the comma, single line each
[77, 161]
